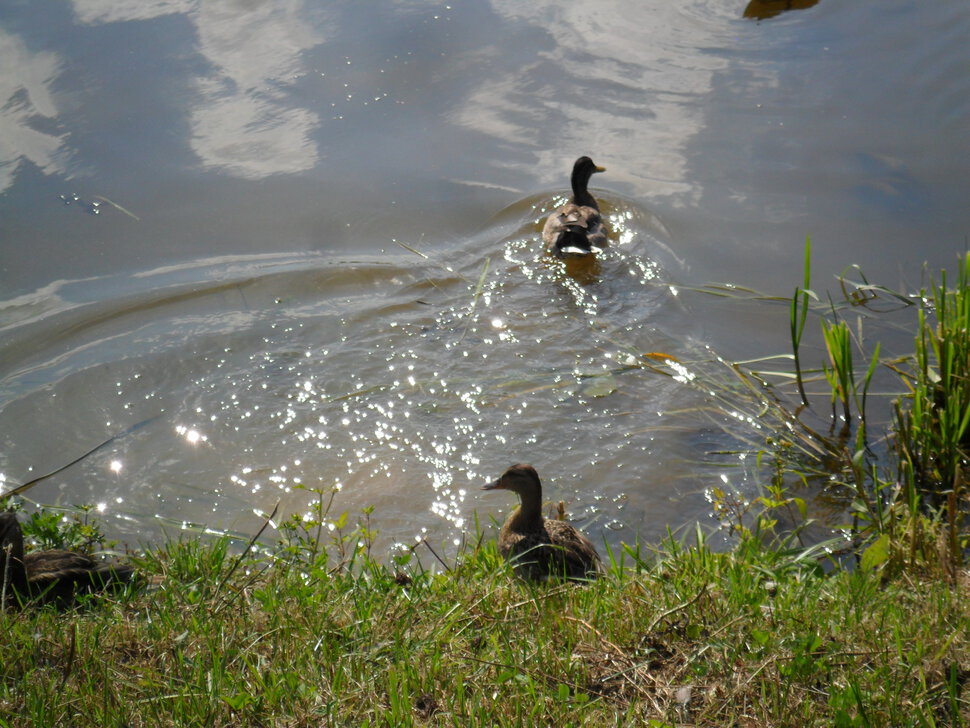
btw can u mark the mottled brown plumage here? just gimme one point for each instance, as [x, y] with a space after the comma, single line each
[53, 576]
[537, 547]
[576, 229]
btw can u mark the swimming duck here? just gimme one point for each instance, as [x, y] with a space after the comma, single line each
[53, 576]
[576, 229]
[541, 548]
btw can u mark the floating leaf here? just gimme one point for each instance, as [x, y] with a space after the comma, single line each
[599, 386]
[659, 356]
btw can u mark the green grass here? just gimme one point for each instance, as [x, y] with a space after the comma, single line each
[687, 636]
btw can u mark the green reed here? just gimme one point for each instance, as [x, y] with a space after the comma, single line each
[846, 386]
[798, 314]
[939, 399]
[932, 438]
[839, 371]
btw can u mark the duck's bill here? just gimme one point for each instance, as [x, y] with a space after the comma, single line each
[600, 169]
[494, 485]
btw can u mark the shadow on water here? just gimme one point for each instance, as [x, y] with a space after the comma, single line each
[405, 381]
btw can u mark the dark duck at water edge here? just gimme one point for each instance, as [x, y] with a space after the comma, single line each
[576, 229]
[540, 548]
[53, 576]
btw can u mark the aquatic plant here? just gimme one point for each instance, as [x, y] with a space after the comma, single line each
[900, 518]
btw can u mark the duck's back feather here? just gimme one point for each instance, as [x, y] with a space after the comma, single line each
[574, 225]
[555, 549]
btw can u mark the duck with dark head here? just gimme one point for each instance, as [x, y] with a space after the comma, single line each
[576, 229]
[537, 547]
[53, 576]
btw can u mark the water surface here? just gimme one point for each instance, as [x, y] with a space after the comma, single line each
[265, 245]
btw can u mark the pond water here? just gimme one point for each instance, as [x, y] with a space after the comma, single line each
[252, 246]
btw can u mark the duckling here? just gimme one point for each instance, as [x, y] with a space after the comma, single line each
[53, 576]
[541, 548]
[576, 229]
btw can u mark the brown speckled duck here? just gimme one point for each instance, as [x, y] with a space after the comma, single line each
[539, 548]
[576, 229]
[53, 576]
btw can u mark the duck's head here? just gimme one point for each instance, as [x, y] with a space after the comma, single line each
[522, 479]
[584, 168]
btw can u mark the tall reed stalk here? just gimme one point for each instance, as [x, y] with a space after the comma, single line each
[798, 313]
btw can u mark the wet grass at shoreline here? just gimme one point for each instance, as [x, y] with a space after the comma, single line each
[752, 637]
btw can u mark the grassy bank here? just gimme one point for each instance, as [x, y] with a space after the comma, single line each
[686, 637]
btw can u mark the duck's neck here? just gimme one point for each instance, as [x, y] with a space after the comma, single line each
[581, 196]
[528, 516]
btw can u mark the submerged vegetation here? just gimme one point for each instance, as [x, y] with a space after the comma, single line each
[867, 627]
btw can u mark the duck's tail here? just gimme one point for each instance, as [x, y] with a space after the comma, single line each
[574, 242]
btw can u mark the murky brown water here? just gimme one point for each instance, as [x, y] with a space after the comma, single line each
[274, 244]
